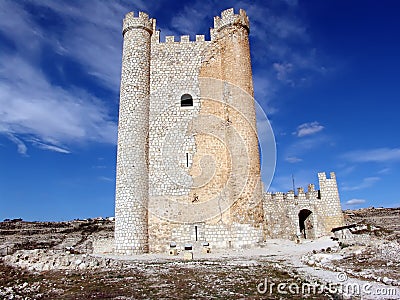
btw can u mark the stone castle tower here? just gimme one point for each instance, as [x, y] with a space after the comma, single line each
[188, 167]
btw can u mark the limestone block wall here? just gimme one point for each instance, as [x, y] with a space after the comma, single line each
[103, 246]
[131, 199]
[330, 201]
[187, 174]
[174, 72]
[228, 60]
[282, 210]
[203, 160]
[217, 235]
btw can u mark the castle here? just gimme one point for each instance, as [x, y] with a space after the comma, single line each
[188, 166]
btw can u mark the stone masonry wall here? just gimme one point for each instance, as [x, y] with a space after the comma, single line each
[203, 160]
[131, 233]
[174, 72]
[330, 201]
[282, 210]
[191, 174]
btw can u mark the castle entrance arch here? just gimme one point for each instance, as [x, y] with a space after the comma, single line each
[306, 223]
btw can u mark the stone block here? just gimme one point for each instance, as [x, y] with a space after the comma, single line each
[187, 255]
[173, 252]
[206, 250]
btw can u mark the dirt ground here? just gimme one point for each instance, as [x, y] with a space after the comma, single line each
[229, 274]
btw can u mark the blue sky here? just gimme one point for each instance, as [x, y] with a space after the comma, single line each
[325, 72]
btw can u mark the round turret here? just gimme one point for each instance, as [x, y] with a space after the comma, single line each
[231, 33]
[132, 191]
[229, 18]
[141, 22]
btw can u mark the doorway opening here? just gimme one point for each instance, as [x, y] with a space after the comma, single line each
[306, 224]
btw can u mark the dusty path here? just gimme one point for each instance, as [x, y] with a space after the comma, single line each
[292, 253]
[288, 254]
[274, 271]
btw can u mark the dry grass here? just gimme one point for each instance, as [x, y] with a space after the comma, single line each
[171, 280]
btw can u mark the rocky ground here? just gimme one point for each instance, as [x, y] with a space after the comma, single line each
[51, 260]
[80, 234]
[387, 219]
[199, 279]
[372, 252]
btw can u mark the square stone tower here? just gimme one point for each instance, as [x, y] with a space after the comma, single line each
[188, 166]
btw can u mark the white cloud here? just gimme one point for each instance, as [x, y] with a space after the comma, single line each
[49, 114]
[355, 201]
[18, 26]
[190, 19]
[283, 37]
[91, 36]
[99, 167]
[44, 146]
[267, 144]
[366, 183]
[275, 37]
[286, 27]
[271, 26]
[384, 171]
[308, 129]
[104, 178]
[92, 39]
[282, 71]
[21, 147]
[304, 146]
[35, 109]
[345, 170]
[284, 182]
[293, 159]
[264, 92]
[291, 2]
[52, 114]
[374, 155]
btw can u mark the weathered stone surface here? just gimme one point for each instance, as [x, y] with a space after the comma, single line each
[191, 173]
[283, 212]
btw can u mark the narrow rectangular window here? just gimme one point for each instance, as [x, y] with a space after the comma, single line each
[187, 160]
[195, 231]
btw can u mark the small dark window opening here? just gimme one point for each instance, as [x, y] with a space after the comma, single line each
[187, 160]
[195, 230]
[186, 100]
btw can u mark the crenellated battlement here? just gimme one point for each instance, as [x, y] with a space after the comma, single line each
[311, 194]
[326, 185]
[183, 39]
[229, 18]
[154, 76]
[142, 21]
[322, 176]
[308, 214]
